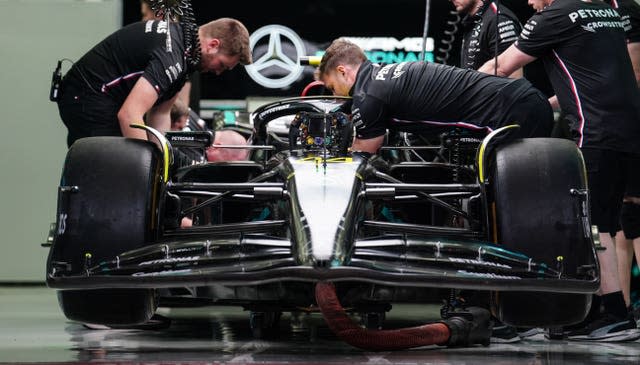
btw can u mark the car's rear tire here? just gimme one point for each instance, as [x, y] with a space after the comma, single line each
[536, 214]
[113, 210]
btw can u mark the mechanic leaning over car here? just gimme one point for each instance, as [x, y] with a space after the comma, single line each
[582, 44]
[430, 94]
[133, 72]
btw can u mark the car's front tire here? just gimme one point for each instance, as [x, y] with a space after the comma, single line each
[537, 214]
[108, 205]
[108, 306]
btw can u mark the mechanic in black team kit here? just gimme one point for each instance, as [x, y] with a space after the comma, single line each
[582, 44]
[133, 72]
[628, 236]
[629, 11]
[481, 26]
[428, 93]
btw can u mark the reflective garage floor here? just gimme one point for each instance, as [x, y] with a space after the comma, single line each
[33, 330]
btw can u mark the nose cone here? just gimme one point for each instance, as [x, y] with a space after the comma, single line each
[324, 198]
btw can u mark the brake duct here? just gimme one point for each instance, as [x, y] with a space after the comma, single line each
[462, 328]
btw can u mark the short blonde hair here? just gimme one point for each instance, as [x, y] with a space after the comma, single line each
[341, 51]
[233, 36]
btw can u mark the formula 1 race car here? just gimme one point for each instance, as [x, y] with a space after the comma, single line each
[304, 222]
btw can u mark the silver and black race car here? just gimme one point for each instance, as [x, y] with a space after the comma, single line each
[304, 219]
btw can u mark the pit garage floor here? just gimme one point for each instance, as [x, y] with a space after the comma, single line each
[33, 330]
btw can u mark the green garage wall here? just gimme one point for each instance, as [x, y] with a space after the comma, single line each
[34, 35]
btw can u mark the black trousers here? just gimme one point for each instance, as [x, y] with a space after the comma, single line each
[608, 173]
[87, 113]
[533, 113]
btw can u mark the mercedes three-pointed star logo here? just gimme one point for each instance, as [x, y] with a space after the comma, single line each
[279, 59]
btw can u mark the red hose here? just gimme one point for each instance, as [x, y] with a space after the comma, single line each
[375, 340]
[310, 86]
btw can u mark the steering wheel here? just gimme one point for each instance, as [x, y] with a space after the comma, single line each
[332, 131]
[291, 107]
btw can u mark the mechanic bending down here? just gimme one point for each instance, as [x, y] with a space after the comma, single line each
[185, 119]
[430, 94]
[218, 154]
[131, 73]
[180, 115]
[227, 137]
[582, 45]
